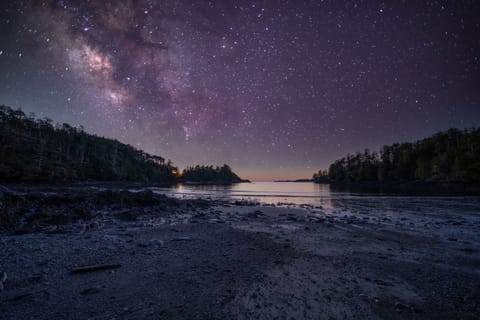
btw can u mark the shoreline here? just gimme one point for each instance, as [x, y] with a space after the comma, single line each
[415, 188]
[215, 259]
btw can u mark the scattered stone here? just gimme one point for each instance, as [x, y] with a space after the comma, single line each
[255, 214]
[383, 283]
[87, 291]
[97, 267]
[199, 215]
[3, 191]
[22, 296]
[156, 243]
[399, 306]
[416, 309]
[3, 279]
[182, 239]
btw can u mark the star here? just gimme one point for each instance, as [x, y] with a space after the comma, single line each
[245, 84]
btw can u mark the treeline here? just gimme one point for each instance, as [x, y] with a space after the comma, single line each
[453, 156]
[223, 174]
[34, 149]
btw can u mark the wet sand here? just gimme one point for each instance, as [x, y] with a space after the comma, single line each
[197, 259]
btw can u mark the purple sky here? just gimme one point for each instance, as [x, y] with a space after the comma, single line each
[276, 89]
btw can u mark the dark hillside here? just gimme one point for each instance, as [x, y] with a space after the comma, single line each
[35, 150]
[450, 156]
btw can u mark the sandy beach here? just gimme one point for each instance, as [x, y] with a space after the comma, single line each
[198, 259]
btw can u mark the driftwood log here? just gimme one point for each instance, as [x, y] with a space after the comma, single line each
[96, 267]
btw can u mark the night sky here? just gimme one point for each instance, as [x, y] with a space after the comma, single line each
[276, 89]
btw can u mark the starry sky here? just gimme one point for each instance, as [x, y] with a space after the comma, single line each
[277, 89]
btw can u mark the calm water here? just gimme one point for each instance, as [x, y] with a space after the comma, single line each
[265, 192]
[330, 200]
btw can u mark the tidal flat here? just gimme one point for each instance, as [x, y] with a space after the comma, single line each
[143, 255]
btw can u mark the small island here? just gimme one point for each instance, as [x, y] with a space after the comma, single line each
[210, 175]
[296, 180]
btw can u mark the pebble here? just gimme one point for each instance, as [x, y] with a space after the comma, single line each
[156, 243]
[399, 306]
[3, 279]
[89, 291]
[182, 239]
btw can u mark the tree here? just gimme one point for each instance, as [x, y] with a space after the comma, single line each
[36, 150]
[452, 155]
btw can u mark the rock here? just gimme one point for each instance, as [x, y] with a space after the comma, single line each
[255, 214]
[90, 291]
[182, 238]
[3, 191]
[416, 310]
[96, 267]
[22, 296]
[3, 194]
[399, 306]
[199, 215]
[156, 243]
[3, 279]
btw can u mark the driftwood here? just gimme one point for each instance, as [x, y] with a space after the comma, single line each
[96, 267]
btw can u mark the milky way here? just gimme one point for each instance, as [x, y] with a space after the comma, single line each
[277, 89]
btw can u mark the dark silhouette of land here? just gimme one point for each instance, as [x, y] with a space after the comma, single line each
[209, 174]
[447, 162]
[36, 150]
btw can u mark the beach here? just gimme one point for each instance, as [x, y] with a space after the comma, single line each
[159, 257]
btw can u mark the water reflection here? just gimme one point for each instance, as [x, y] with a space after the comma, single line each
[328, 197]
[265, 192]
